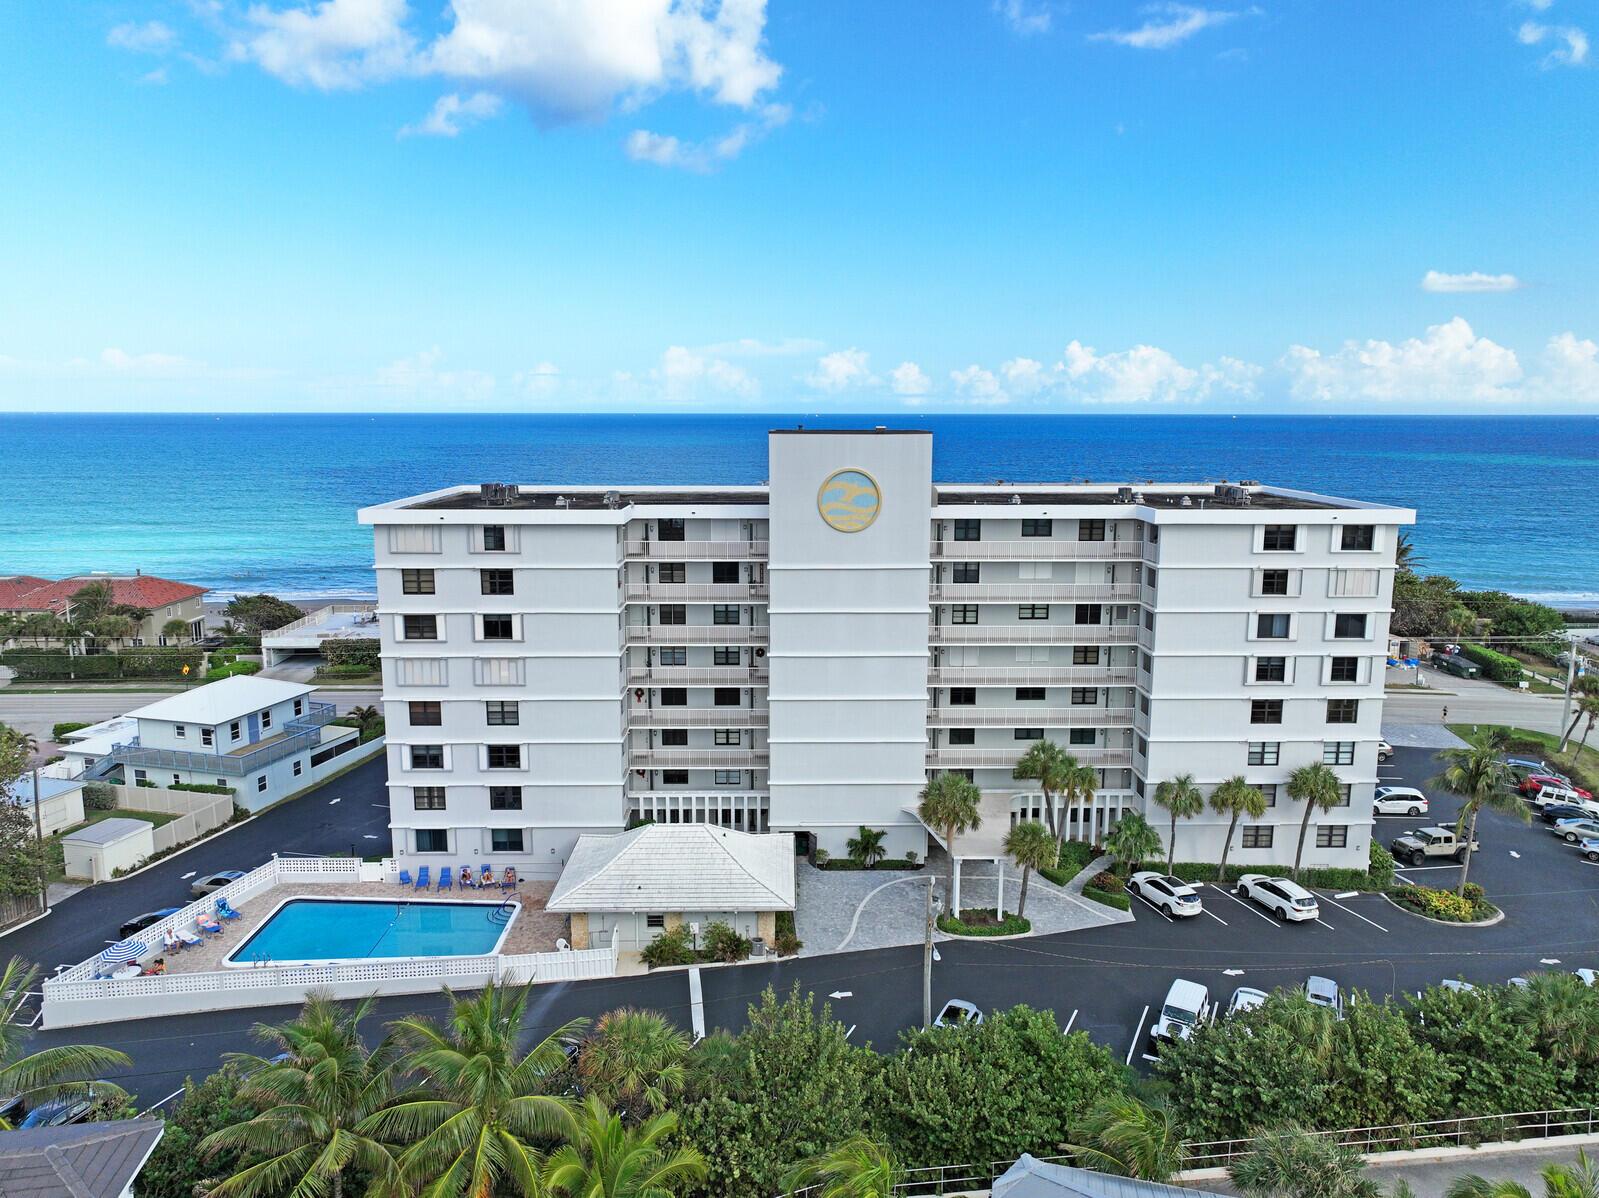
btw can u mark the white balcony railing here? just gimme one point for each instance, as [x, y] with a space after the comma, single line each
[696, 676]
[679, 759]
[675, 551]
[1025, 715]
[1030, 675]
[1035, 592]
[1032, 550]
[695, 592]
[1036, 633]
[697, 717]
[973, 758]
[697, 634]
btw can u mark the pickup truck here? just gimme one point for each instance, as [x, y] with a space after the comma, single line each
[1413, 848]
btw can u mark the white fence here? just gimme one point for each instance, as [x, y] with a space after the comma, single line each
[198, 811]
[76, 996]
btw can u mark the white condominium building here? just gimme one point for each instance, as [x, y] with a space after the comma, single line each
[801, 656]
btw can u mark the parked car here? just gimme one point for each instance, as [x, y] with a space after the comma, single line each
[1457, 984]
[1285, 899]
[1323, 992]
[1384, 750]
[1399, 800]
[958, 1012]
[1245, 998]
[139, 922]
[1416, 847]
[1574, 830]
[59, 1111]
[1172, 895]
[1187, 1006]
[1553, 813]
[1565, 795]
[211, 883]
[1522, 766]
[1533, 783]
[1590, 976]
[1590, 849]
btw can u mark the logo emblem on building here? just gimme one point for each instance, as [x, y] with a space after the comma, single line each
[849, 500]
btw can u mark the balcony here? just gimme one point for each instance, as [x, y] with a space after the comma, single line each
[697, 551]
[697, 675]
[1030, 675]
[1025, 715]
[639, 716]
[705, 759]
[695, 592]
[1035, 633]
[1035, 549]
[965, 758]
[301, 734]
[1035, 592]
[697, 634]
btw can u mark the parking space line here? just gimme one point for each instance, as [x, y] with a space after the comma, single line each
[1067, 1029]
[1356, 914]
[1137, 1035]
[1246, 906]
[1213, 915]
[1410, 869]
[1150, 905]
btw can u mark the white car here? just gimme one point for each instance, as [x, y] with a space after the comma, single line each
[1574, 831]
[1172, 895]
[1288, 901]
[1459, 985]
[1245, 998]
[1384, 750]
[1590, 977]
[1399, 800]
[1567, 796]
[958, 1012]
[1187, 1006]
[1323, 992]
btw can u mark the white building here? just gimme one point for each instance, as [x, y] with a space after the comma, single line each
[801, 656]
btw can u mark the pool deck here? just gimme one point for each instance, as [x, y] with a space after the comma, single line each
[534, 930]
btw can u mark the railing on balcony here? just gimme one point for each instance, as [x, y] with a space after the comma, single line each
[697, 634]
[1039, 633]
[1030, 675]
[1034, 592]
[697, 675]
[299, 734]
[722, 759]
[1025, 715]
[670, 551]
[698, 717]
[695, 592]
[966, 757]
[1042, 547]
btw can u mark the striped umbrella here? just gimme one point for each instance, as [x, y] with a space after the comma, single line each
[124, 951]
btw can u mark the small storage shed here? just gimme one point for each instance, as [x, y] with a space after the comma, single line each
[112, 844]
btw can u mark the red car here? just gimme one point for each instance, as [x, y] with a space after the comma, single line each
[1533, 783]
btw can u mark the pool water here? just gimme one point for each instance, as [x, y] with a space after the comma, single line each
[306, 929]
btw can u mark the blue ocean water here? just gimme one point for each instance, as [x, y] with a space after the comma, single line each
[267, 502]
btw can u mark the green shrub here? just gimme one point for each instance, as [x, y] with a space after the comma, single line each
[59, 731]
[672, 947]
[1075, 856]
[1444, 904]
[345, 671]
[371, 730]
[98, 796]
[980, 922]
[1381, 870]
[724, 943]
[1110, 898]
[787, 941]
[849, 863]
[1498, 666]
[218, 673]
[1316, 878]
[146, 783]
[208, 788]
[359, 654]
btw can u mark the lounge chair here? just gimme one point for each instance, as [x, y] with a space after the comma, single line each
[225, 909]
[209, 924]
[508, 880]
[466, 877]
[405, 878]
[561, 946]
[188, 939]
[422, 879]
[445, 881]
[485, 876]
[170, 941]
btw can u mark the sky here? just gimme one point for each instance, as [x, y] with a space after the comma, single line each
[800, 205]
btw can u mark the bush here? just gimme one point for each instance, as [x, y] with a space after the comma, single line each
[145, 782]
[848, 863]
[371, 730]
[1110, 898]
[218, 673]
[59, 731]
[261, 613]
[98, 796]
[345, 672]
[1322, 878]
[1075, 856]
[1498, 666]
[1381, 869]
[208, 788]
[787, 941]
[981, 922]
[1445, 904]
[176, 1169]
[723, 943]
[672, 947]
[358, 653]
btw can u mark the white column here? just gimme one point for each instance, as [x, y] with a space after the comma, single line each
[955, 898]
[999, 901]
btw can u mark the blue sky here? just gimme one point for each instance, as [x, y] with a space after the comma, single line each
[828, 205]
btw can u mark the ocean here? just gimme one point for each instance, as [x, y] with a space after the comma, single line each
[267, 502]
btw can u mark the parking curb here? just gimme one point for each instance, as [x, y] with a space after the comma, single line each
[1446, 923]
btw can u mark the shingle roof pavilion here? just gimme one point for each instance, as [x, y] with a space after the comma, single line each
[678, 867]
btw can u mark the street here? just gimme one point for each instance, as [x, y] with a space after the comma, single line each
[1469, 701]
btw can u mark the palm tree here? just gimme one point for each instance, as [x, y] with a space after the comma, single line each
[859, 1167]
[606, 1159]
[867, 848]
[41, 626]
[1126, 1136]
[1081, 782]
[1405, 555]
[1318, 788]
[1132, 840]
[26, 742]
[1183, 799]
[1561, 1011]
[1030, 845]
[634, 1062]
[315, 1094]
[365, 715]
[1588, 706]
[1046, 763]
[478, 1100]
[1478, 774]
[175, 630]
[1234, 798]
[89, 602]
[949, 803]
[64, 1071]
[112, 627]
[1291, 1163]
[1559, 1181]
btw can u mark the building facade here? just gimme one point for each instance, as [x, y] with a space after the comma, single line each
[801, 656]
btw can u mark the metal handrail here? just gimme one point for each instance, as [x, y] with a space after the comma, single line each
[307, 733]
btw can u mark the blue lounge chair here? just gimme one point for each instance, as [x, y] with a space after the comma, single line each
[225, 909]
[508, 879]
[405, 878]
[445, 881]
[422, 879]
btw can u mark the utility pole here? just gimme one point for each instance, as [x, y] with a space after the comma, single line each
[1571, 678]
[927, 960]
[38, 831]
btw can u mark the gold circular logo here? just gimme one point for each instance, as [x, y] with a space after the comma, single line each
[849, 500]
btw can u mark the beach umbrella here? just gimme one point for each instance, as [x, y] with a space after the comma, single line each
[124, 951]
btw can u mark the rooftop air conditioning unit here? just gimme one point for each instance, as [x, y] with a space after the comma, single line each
[512, 492]
[562, 501]
[1124, 494]
[1016, 499]
[613, 499]
[1185, 502]
[1138, 497]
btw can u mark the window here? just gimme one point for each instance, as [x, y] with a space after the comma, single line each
[1280, 538]
[963, 696]
[421, 628]
[724, 571]
[505, 798]
[672, 657]
[1264, 752]
[968, 530]
[497, 582]
[1273, 625]
[497, 628]
[427, 757]
[655, 921]
[726, 655]
[1345, 793]
[966, 572]
[234, 731]
[1266, 711]
[266, 718]
[1256, 836]
[505, 840]
[1345, 669]
[725, 696]
[1090, 530]
[432, 840]
[674, 738]
[416, 582]
[1149, 619]
[1081, 736]
[669, 529]
[179, 731]
[674, 696]
[261, 784]
[505, 757]
[1350, 626]
[1271, 669]
[140, 776]
[1084, 696]
[427, 798]
[673, 572]
[729, 777]
[1029, 694]
[1089, 613]
[494, 538]
[1343, 711]
[1338, 752]
[674, 777]
[963, 736]
[963, 613]
[1029, 734]
[501, 712]
[1274, 582]
[299, 707]
[1359, 536]
[1085, 655]
[673, 613]
[1038, 528]
[1332, 836]
[1033, 611]
[426, 714]
[207, 736]
[1268, 791]
[729, 736]
[1146, 662]
[724, 613]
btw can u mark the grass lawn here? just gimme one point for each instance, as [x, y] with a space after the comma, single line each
[1583, 769]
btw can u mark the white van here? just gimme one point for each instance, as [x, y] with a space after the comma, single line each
[1187, 1006]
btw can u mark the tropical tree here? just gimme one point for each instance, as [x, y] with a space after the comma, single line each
[1124, 1135]
[112, 627]
[478, 1102]
[1235, 798]
[1030, 845]
[1562, 1012]
[1318, 788]
[604, 1158]
[365, 714]
[1046, 763]
[1081, 782]
[1132, 840]
[1559, 1181]
[1588, 706]
[41, 626]
[175, 629]
[867, 848]
[1405, 556]
[1291, 1163]
[860, 1167]
[64, 1071]
[949, 803]
[89, 602]
[1480, 777]
[315, 1093]
[1183, 800]
[634, 1062]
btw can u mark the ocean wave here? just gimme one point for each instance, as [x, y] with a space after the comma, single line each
[1561, 598]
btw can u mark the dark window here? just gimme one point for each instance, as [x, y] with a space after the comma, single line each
[672, 657]
[499, 712]
[1033, 611]
[1029, 694]
[673, 613]
[729, 737]
[505, 757]
[1255, 836]
[1029, 734]
[498, 628]
[428, 798]
[1268, 791]
[724, 571]
[674, 738]
[672, 572]
[1080, 736]
[1349, 626]
[1146, 662]
[1343, 711]
[966, 572]
[968, 530]
[963, 613]
[1085, 655]
[1345, 669]
[494, 537]
[963, 696]
[1084, 696]
[1149, 619]
[427, 757]
[1090, 613]
[1274, 582]
[726, 655]
[1280, 538]
[1338, 752]
[1090, 530]
[1266, 711]
[669, 530]
[432, 840]
[497, 582]
[1271, 669]
[963, 736]
[1332, 836]
[299, 707]
[1272, 625]
[726, 696]
[266, 718]
[674, 777]
[674, 696]
[1038, 528]
[1345, 793]
[655, 921]
[505, 798]
[426, 714]
[1359, 536]
[505, 840]
[724, 613]
[1264, 752]
[416, 582]
[421, 628]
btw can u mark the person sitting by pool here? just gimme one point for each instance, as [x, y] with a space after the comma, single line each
[170, 941]
[466, 877]
[158, 966]
[509, 881]
[209, 923]
[486, 878]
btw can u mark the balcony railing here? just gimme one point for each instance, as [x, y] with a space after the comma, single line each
[1030, 675]
[971, 758]
[1031, 550]
[697, 717]
[679, 759]
[696, 676]
[1035, 592]
[1039, 633]
[677, 551]
[695, 592]
[697, 634]
[299, 734]
[1024, 715]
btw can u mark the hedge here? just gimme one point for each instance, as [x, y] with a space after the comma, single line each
[207, 788]
[1111, 898]
[58, 731]
[849, 863]
[1312, 876]
[1074, 858]
[59, 665]
[345, 671]
[1498, 666]
[233, 667]
[1011, 925]
[353, 651]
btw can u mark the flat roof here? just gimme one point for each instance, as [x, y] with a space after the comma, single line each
[1152, 495]
[878, 431]
[21, 790]
[108, 831]
[224, 701]
[586, 500]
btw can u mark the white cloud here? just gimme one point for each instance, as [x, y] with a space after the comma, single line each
[1149, 374]
[1450, 364]
[422, 372]
[702, 157]
[1024, 17]
[329, 45]
[1167, 25]
[978, 385]
[685, 375]
[1024, 376]
[1572, 50]
[154, 78]
[1473, 281]
[150, 37]
[452, 113]
[909, 380]
[840, 370]
[542, 380]
[1570, 371]
[148, 365]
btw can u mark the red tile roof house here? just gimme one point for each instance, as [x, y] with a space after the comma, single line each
[164, 599]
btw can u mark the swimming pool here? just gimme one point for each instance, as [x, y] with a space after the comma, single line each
[310, 929]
